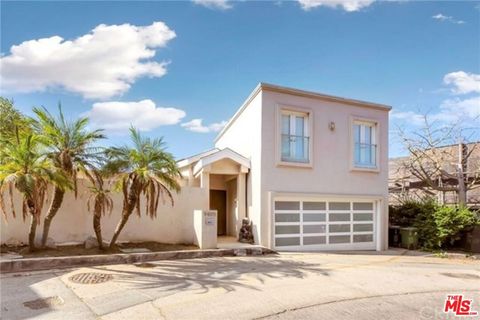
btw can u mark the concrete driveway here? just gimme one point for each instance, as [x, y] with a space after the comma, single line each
[287, 286]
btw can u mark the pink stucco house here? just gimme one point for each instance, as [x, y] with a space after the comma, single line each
[310, 171]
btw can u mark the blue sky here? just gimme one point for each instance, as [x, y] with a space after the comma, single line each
[178, 62]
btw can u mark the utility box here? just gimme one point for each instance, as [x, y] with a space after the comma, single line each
[205, 225]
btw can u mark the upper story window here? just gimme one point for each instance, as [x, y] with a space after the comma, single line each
[295, 137]
[365, 145]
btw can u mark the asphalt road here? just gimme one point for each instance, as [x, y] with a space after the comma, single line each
[287, 286]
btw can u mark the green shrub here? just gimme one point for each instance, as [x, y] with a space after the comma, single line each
[404, 215]
[438, 226]
[444, 226]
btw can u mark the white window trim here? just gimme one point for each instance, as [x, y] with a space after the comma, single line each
[376, 138]
[281, 109]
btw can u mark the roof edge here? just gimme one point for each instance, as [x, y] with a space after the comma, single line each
[244, 105]
[298, 92]
[322, 96]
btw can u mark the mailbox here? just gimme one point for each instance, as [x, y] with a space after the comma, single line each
[205, 225]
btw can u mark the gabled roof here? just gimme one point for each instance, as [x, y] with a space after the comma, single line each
[187, 161]
[302, 93]
[206, 158]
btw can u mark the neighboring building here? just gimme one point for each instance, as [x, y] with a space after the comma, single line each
[309, 170]
[403, 185]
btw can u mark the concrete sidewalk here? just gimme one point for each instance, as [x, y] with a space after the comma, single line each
[289, 286]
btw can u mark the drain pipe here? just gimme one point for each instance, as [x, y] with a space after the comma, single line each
[246, 194]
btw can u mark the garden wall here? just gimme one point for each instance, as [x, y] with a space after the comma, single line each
[73, 222]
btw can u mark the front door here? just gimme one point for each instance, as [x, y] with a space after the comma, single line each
[218, 201]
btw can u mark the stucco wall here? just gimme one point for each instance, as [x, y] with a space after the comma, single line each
[232, 210]
[243, 137]
[73, 222]
[331, 170]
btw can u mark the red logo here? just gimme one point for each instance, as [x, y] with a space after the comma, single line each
[459, 306]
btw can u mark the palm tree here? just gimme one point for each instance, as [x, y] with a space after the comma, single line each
[101, 203]
[28, 170]
[69, 145]
[146, 169]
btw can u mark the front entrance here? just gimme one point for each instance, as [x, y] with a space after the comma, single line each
[218, 201]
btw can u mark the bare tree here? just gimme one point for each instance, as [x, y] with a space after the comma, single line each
[441, 159]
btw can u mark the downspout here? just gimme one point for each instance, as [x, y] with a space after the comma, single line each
[246, 193]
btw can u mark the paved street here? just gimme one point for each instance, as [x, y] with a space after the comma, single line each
[287, 286]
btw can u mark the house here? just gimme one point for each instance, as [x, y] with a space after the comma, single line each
[309, 170]
[404, 185]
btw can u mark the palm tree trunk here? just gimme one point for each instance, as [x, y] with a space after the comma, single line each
[98, 228]
[32, 231]
[52, 211]
[126, 212]
[118, 229]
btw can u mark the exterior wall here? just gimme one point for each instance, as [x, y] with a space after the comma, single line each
[217, 182]
[232, 209]
[74, 222]
[331, 172]
[243, 137]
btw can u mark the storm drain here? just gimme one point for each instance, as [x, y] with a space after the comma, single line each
[91, 278]
[461, 275]
[43, 303]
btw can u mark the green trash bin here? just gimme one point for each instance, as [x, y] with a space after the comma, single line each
[409, 238]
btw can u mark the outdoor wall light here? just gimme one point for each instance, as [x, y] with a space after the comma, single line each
[331, 126]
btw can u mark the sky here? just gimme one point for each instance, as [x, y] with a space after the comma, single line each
[180, 69]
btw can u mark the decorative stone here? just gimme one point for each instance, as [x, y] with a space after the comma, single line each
[246, 235]
[257, 251]
[240, 252]
[12, 242]
[51, 244]
[91, 242]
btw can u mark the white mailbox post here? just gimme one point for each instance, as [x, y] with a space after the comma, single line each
[205, 225]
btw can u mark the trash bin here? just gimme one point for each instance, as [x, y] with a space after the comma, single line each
[409, 238]
[394, 236]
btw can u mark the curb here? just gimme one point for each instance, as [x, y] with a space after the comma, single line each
[34, 264]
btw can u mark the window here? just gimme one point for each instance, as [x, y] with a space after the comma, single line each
[365, 148]
[294, 140]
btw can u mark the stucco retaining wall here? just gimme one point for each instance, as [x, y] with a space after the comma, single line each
[73, 222]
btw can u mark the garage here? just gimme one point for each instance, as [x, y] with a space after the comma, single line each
[324, 224]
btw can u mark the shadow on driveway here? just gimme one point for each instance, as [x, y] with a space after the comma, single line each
[206, 274]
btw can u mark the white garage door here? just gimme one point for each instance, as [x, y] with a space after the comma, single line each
[324, 225]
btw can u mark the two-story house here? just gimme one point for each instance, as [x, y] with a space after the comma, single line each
[310, 171]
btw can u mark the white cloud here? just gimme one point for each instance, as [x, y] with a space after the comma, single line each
[101, 64]
[451, 110]
[143, 115]
[443, 18]
[463, 82]
[214, 4]
[196, 125]
[467, 108]
[347, 5]
[409, 116]
[462, 109]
